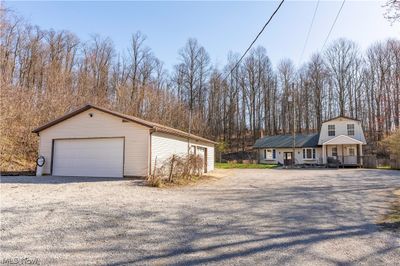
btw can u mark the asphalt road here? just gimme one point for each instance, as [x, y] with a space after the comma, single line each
[244, 217]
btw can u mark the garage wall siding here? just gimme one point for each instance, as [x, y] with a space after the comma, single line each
[165, 145]
[101, 125]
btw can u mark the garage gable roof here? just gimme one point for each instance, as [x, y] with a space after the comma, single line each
[154, 126]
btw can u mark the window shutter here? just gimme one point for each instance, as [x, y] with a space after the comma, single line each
[304, 153]
[273, 154]
[313, 153]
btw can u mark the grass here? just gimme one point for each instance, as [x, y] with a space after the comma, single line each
[384, 167]
[244, 166]
[391, 220]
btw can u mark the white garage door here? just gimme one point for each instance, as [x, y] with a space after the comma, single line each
[102, 157]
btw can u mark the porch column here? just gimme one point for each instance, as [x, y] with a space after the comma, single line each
[323, 153]
[361, 155]
[342, 155]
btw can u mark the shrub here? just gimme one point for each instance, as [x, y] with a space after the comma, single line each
[175, 169]
[154, 181]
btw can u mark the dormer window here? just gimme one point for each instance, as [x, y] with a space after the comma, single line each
[350, 129]
[331, 130]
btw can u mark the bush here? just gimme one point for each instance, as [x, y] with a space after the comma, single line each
[175, 169]
[154, 181]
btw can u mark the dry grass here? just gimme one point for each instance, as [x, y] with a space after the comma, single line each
[165, 183]
[391, 220]
[188, 182]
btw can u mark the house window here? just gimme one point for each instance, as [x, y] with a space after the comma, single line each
[331, 130]
[334, 151]
[352, 152]
[350, 129]
[270, 154]
[308, 153]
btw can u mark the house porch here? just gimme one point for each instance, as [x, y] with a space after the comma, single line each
[342, 151]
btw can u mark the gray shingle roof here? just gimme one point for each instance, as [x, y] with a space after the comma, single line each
[286, 141]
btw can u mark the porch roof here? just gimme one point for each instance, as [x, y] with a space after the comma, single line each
[342, 139]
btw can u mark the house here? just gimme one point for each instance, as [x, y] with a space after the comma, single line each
[93, 141]
[340, 141]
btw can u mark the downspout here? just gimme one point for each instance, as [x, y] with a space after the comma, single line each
[151, 130]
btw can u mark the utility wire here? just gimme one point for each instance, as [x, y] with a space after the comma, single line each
[309, 31]
[333, 25]
[258, 35]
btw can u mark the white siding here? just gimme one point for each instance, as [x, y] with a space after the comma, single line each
[341, 129]
[299, 156]
[165, 145]
[101, 125]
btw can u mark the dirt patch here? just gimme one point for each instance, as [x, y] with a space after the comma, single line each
[188, 182]
[391, 220]
[18, 173]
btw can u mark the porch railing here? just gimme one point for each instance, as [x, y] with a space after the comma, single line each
[339, 161]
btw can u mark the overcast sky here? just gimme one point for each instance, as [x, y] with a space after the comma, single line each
[219, 26]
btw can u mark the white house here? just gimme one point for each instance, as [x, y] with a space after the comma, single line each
[340, 141]
[342, 138]
[93, 141]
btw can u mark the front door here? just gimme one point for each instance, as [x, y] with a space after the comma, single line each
[351, 157]
[287, 158]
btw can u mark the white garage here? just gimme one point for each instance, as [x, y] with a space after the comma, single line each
[97, 142]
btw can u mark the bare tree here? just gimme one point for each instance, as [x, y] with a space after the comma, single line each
[48, 73]
[392, 10]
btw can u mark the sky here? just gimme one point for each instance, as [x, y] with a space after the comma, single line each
[220, 26]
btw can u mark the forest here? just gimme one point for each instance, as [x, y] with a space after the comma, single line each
[47, 73]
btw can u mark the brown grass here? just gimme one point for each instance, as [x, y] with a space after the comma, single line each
[189, 182]
[391, 220]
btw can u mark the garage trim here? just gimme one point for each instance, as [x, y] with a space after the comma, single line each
[116, 137]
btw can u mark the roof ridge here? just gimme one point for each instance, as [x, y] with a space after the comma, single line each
[156, 126]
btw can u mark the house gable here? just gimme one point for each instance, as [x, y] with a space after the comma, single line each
[341, 125]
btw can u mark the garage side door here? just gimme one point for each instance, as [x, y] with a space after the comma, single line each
[101, 157]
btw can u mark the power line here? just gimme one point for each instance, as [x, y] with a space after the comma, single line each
[309, 31]
[258, 35]
[333, 25]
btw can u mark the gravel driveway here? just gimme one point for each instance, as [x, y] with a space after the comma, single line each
[244, 217]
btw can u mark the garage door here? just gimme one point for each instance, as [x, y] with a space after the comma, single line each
[102, 157]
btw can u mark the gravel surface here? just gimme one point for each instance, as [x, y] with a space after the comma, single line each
[243, 217]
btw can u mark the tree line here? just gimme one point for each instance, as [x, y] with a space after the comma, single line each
[47, 73]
